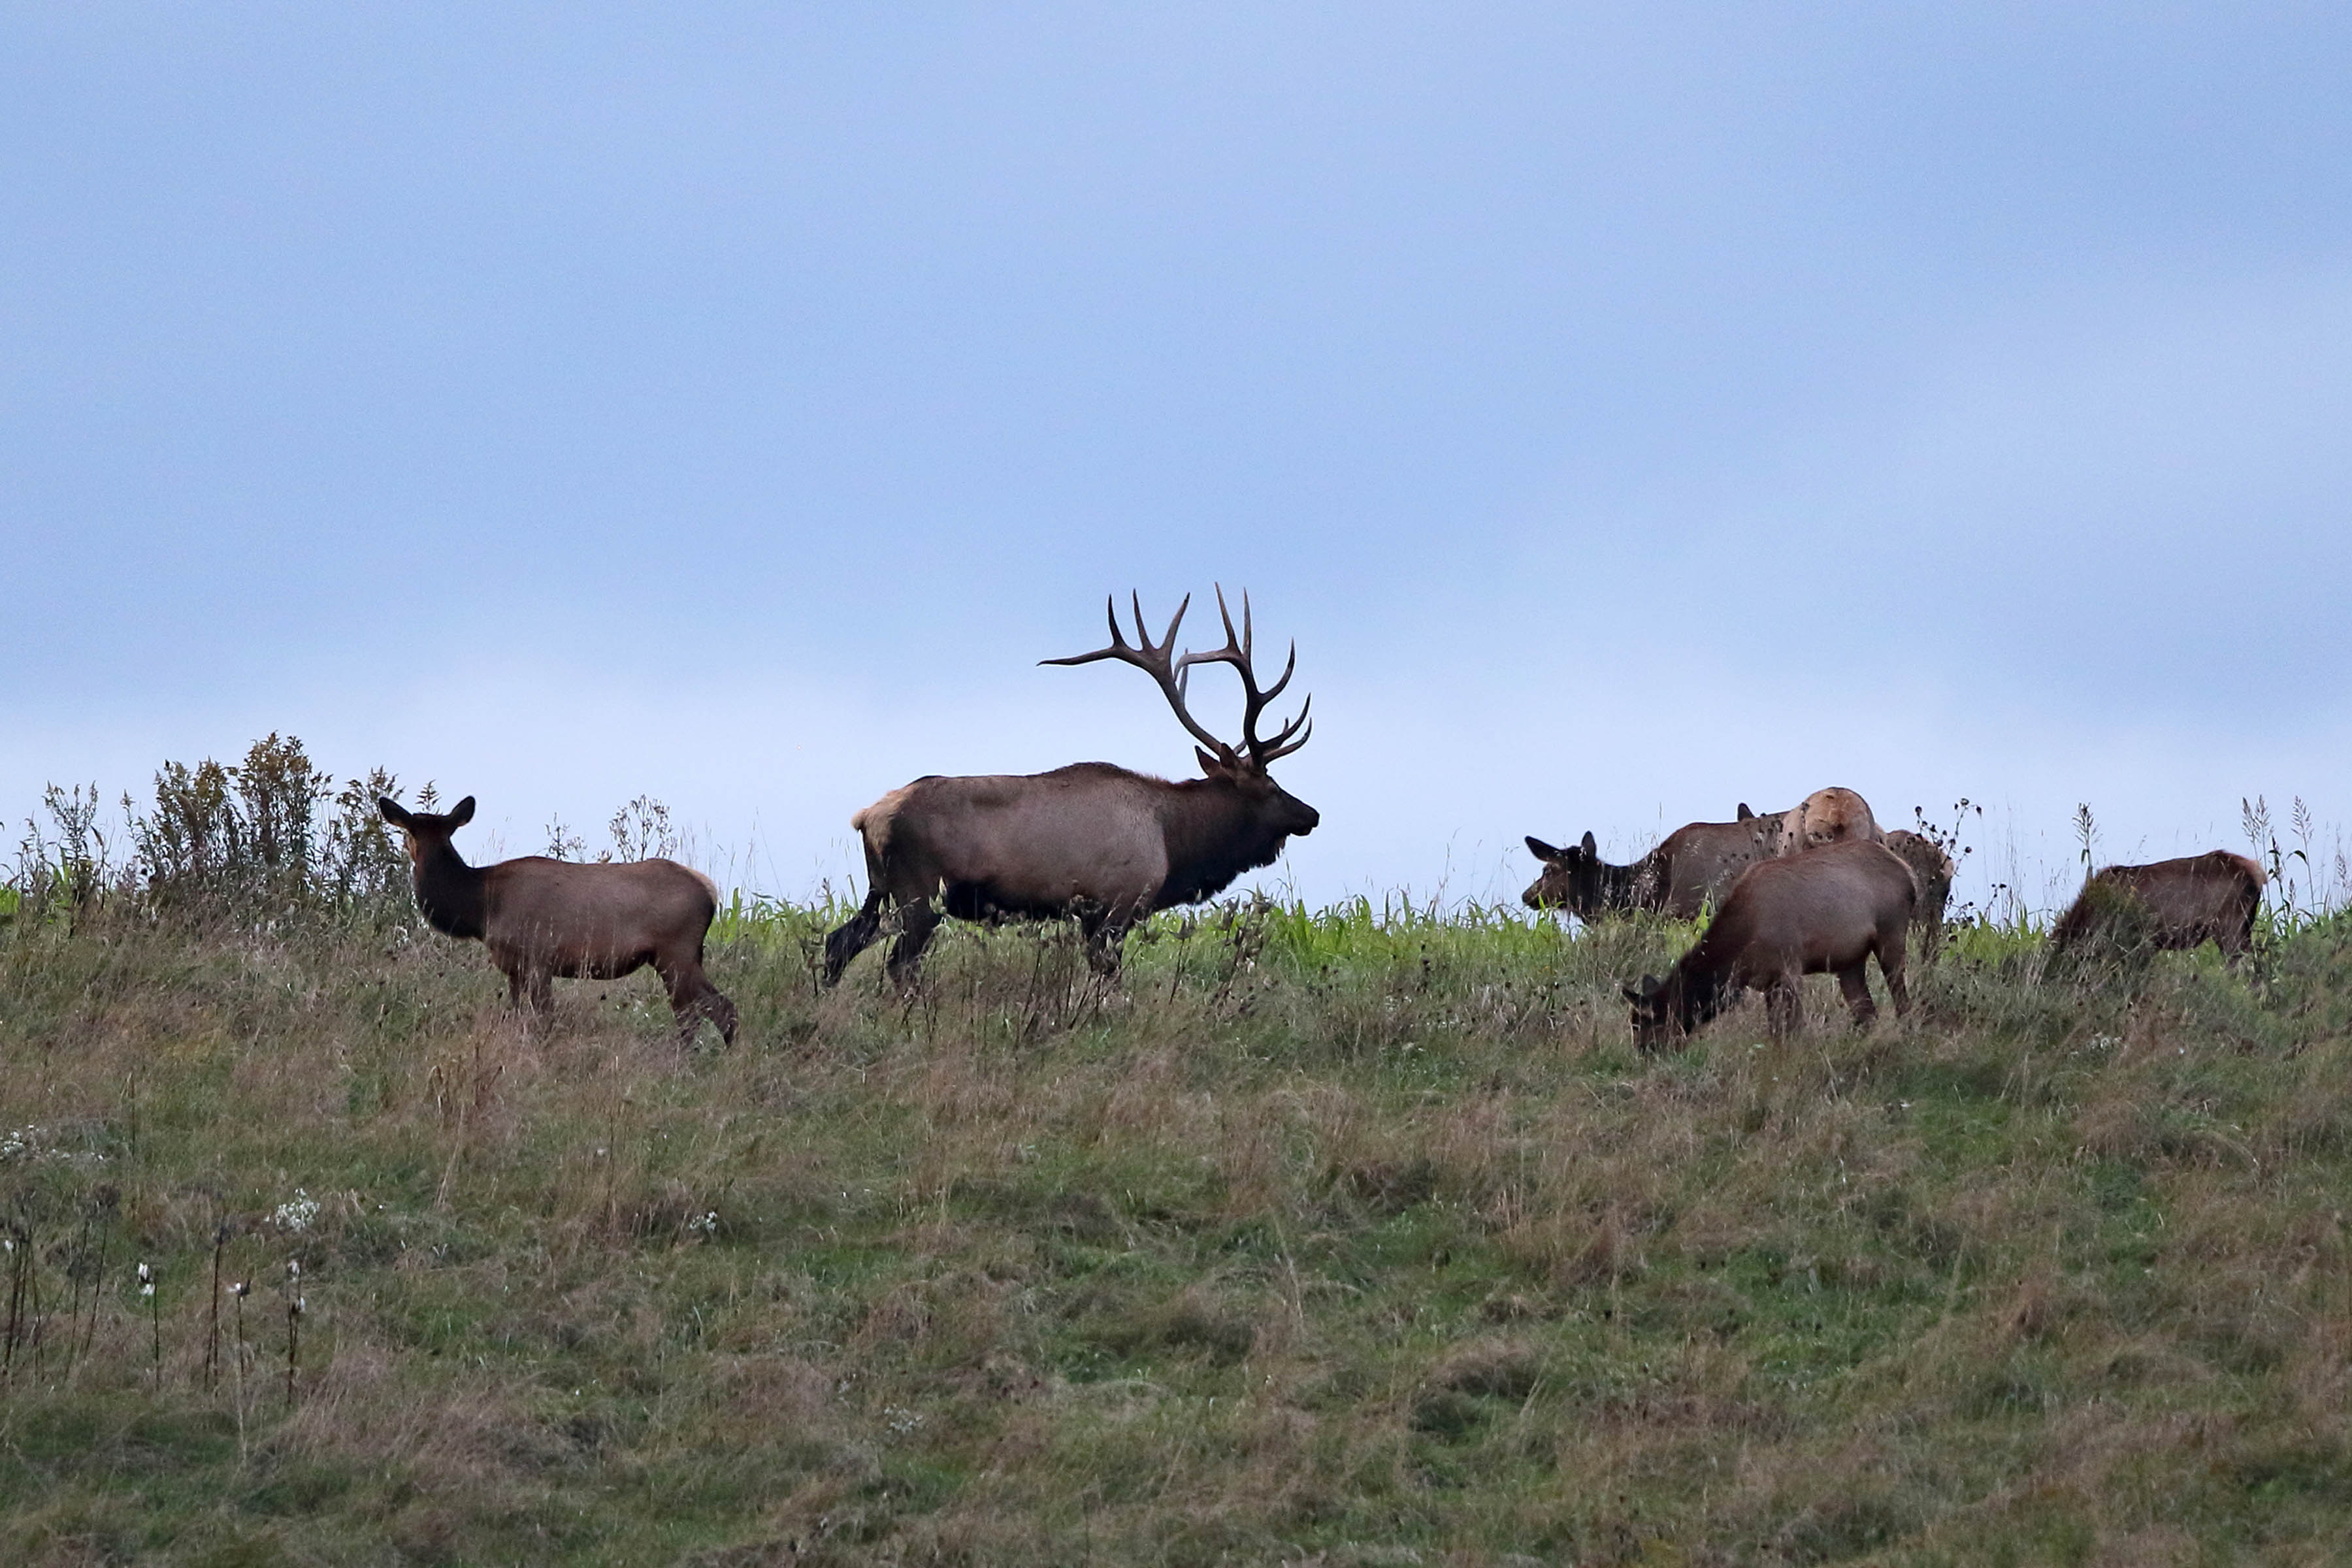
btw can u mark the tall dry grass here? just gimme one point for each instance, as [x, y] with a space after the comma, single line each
[1357, 1236]
[1337, 1239]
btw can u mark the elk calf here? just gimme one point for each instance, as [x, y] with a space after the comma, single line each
[543, 918]
[1827, 909]
[2175, 904]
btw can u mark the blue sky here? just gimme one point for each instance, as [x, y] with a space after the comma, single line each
[1631, 411]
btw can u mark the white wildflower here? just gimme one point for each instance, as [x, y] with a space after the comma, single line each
[297, 1213]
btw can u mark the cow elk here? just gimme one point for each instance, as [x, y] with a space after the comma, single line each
[545, 919]
[1092, 841]
[1696, 864]
[1828, 910]
[2171, 904]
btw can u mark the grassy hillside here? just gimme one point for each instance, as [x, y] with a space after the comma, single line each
[1339, 1238]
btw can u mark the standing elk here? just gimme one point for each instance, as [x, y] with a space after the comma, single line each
[1827, 909]
[2169, 904]
[544, 919]
[1693, 867]
[1097, 842]
[1696, 864]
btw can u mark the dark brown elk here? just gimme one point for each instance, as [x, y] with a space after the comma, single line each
[1097, 842]
[1933, 870]
[2169, 904]
[1693, 868]
[1828, 910]
[1695, 864]
[546, 920]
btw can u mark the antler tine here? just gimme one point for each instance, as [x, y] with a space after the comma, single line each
[1282, 745]
[1168, 638]
[1236, 652]
[1154, 659]
[1242, 643]
[1142, 658]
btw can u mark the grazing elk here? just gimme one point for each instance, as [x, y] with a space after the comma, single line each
[1933, 870]
[1097, 842]
[2169, 904]
[1827, 909]
[1696, 863]
[543, 918]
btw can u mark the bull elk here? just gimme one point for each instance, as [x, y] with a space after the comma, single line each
[545, 919]
[1103, 844]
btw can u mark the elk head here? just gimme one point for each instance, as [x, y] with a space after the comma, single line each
[1571, 879]
[1663, 1013]
[1278, 811]
[425, 831]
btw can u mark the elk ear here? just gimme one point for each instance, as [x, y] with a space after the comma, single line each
[1541, 850]
[1746, 814]
[1630, 992]
[1588, 846]
[393, 813]
[1212, 767]
[464, 814]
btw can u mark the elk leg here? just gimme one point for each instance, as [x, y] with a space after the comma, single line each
[917, 921]
[1853, 980]
[693, 998]
[853, 936]
[1106, 939]
[1898, 987]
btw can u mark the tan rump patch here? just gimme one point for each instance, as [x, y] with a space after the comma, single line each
[874, 822]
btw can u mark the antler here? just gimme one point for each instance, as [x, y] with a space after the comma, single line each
[1236, 652]
[1173, 676]
[1153, 660]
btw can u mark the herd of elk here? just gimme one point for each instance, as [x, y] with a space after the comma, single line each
[1818, 888]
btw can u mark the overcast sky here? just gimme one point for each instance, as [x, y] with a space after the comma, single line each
[1631, 411]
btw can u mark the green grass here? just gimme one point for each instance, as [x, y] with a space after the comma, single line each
[1349, 1237]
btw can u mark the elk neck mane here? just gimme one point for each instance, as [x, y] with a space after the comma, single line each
[451, 893]
[1214, 835]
